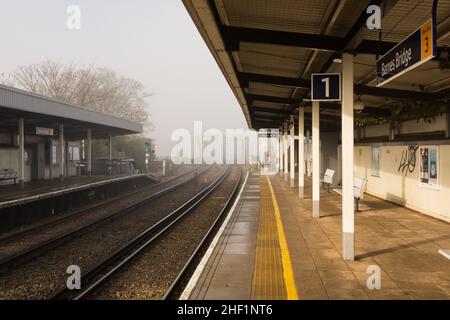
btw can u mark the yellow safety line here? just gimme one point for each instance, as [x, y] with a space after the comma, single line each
[288, 273]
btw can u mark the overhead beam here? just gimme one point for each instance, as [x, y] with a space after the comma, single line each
[245, 78]
[394, 93]
[276, 116]
[329, 106]
[269, 110]
[354, 40]
[272, 99]
[234, 35]
[358, 31]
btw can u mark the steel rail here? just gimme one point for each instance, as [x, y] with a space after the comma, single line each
[176, 284]
[131, 250]
[58, 240]
[73, 213]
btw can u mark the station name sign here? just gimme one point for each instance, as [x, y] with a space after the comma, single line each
[44, 131]
[415, 50]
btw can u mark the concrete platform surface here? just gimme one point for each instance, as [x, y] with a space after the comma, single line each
[404, 246]
[37, 189]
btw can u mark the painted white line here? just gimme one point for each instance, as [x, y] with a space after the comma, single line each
[65, 190]
[445, 253]
[199, 270]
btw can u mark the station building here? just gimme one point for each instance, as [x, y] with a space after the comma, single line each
[43, 139]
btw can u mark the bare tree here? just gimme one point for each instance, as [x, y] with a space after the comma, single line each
[100, 89]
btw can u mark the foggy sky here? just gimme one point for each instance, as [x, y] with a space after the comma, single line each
[152, 41]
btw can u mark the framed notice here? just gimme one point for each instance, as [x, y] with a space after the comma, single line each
[376, 161]
[54, 160]
[429, 167]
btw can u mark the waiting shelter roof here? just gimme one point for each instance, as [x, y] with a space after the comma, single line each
[46, 112]
[267, 50]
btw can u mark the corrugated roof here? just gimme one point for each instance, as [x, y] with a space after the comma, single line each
[23, 101]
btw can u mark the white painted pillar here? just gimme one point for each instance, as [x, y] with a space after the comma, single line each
[89, 151]
[348, 213]
[110, 154]
[286, 164]
[308, 162]
[21, 152]
[279, 153]
[61, 152]
[301, 152]
[50, 167]
[292, 155]
[66, 158]
[316, 158]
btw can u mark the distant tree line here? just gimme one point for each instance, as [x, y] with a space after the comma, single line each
[100, 89]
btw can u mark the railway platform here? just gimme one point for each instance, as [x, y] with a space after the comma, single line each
[11, 195]
[46, 199]
[272, 248]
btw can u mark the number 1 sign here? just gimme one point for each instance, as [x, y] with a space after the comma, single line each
[326, 87]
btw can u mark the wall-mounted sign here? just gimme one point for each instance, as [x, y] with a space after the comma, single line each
[54, 151]
[326, 87]
[415, 50]
[429, 167]
[44, 131]
[376, 155]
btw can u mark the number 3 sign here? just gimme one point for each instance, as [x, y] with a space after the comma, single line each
[326, 87]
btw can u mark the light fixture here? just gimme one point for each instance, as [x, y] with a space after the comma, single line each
[359, 105]
[337, 60]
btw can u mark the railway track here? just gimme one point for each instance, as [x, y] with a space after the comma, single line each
[177, 286]
[96, 276]
[52, 242]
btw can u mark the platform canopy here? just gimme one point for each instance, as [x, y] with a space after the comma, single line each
[267, 50]
[44, 112]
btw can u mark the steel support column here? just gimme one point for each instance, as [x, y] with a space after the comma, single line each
[348, 213]
[316, 159]
[292, 155]
[110, 153]
[89, 151]
[61, 152]
[280, 152]
[286, 165]
[301, 152]
[21, 152]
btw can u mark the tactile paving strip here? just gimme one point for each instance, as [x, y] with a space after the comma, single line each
[268, 281]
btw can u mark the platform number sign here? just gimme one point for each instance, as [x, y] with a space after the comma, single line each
[326, 87]
[418, 48]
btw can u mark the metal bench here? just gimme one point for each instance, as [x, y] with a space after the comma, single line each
[359, 186]
[328, 178]
[8, 174]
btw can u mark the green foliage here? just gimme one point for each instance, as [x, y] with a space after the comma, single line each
[404, 110]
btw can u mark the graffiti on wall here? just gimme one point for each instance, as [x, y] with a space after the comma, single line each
[408, 161]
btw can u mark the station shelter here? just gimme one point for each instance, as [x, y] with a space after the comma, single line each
[43, 139]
